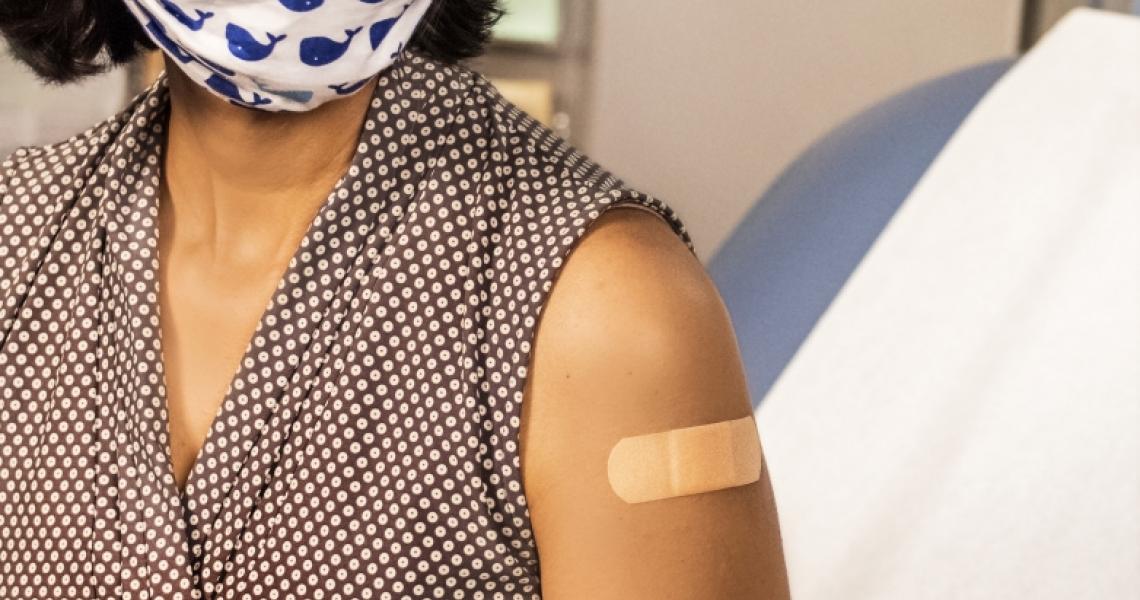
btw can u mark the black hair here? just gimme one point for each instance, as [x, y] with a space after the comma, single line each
[64, 40]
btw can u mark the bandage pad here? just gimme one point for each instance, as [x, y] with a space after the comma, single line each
[686, 461]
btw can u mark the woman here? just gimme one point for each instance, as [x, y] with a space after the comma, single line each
[272, 330]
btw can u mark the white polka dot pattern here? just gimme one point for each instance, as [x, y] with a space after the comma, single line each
[367, 446]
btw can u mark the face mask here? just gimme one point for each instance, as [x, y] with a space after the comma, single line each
[280, 54]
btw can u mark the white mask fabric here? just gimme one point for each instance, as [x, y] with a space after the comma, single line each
[280, 55]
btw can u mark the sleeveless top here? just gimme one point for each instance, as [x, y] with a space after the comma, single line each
[367, 446]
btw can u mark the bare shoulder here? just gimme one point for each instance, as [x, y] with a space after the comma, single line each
[635, 339]
[632, 306]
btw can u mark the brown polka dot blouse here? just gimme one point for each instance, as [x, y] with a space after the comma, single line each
[367, 446]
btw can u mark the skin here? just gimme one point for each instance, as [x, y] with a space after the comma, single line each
[234, 205]
[634, 339]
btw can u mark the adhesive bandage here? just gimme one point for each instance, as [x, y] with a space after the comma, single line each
[685, 461]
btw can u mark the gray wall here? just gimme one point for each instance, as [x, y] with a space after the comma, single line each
[703, 104]
[34, 113]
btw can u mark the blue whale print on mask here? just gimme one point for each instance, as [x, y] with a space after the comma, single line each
[244, 46]
[379, 30]
[307, 48]
[301, 5]
[230, 90]
[347, 88]
[164, 40]
[319, 51]
[194, 24]
[158, 32]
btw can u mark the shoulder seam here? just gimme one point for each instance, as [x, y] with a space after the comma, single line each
[624, 195]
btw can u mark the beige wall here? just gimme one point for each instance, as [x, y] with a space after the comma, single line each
[704, 103]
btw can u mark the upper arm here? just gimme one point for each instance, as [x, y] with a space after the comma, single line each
[634, 339]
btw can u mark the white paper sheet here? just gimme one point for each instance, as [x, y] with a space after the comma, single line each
[964, 422]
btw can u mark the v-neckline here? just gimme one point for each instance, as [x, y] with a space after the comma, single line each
[189, 487]
[322, 222]
[279, 386]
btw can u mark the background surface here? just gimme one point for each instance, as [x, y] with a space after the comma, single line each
[700, 106]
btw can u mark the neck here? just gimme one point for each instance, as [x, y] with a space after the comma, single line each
[245, 183]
